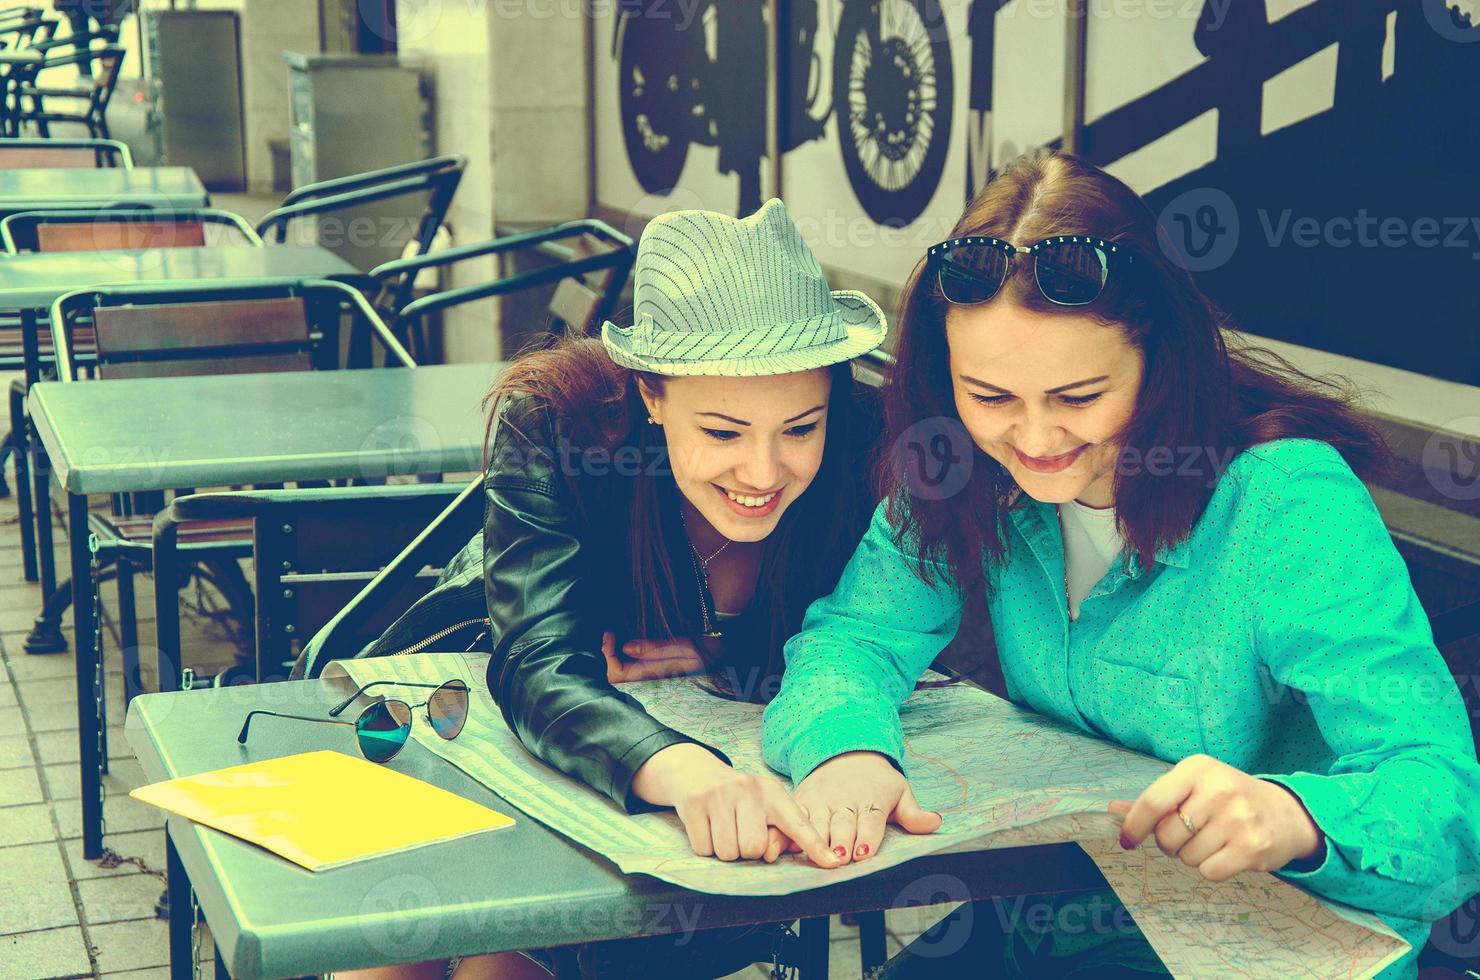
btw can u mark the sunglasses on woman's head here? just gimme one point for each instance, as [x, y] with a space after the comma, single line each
[381, 730]
[1070, 270]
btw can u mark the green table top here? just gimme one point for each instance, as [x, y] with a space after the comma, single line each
[31, 189]
[124, 435]
[32, 280]
[513, 889]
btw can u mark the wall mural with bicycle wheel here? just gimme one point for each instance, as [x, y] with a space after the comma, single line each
[680, 105]
[1276, 138]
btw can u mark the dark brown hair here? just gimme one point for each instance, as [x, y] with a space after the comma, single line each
[597, 406]
[1195, 390]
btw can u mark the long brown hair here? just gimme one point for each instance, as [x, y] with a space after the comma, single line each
[597, 407]
[1196, 393]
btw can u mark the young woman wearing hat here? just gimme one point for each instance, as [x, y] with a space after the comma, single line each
[1177, 555]
[668, 499]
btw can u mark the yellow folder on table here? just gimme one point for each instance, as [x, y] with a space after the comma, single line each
[323, 809]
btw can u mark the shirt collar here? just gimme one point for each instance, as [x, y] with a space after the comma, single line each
[1037, 518]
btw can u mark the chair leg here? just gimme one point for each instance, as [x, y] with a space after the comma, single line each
[41, 504]
[23, 482]
[813, 948]
[872, 947]
[128, 633]
[7, 450]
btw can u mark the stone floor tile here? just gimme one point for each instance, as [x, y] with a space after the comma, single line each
[12, 722]
[41, 666]
[19, 785]
[146, 845]
[16, 751]
[20, 620]
[63, 782]
[842, 957]
[48, 953]
[36, 692]
[33, 881]
[53, 718]
[136, 945]
[119, 898]
[28, 824]
[121, 813]
[62, 746]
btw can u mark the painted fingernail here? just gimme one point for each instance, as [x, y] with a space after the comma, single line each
[840, 851]
[863, 850]
[1125, 843]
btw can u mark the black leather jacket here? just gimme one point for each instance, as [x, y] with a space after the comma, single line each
[545, 578]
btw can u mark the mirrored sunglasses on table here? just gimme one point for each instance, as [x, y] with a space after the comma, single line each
[381, 730]
[1070, 270]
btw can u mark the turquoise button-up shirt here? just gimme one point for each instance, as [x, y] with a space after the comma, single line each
[1282, 637]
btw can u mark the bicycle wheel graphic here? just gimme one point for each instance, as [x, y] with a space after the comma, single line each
[653, 104]
[893, 90]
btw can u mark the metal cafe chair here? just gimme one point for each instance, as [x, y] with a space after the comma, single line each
[314, 549]
[87, 104]
[108, 229]
[192, 329]
[84, 154]
[591, 270]
[74, 230]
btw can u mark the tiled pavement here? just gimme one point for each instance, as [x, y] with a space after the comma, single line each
[63, 916]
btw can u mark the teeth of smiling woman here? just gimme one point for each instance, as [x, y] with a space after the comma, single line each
[750, 501]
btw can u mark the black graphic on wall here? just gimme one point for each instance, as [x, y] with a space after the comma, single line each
[698, 76]
[981, 27]
[1356, 230]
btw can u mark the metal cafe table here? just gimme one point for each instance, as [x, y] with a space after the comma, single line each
[523, 887]
[29, 282]
[52, 188]
[139, 434]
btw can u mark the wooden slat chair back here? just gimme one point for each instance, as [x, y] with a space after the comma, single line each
[334, 554]
[103, 236]
[42, 157]
[186, 339]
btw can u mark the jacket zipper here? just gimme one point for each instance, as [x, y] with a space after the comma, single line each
[448, 631]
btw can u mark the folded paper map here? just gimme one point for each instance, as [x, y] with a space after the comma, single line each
[1000, 775]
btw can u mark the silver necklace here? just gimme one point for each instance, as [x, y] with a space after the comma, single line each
[701, 570]
[703, 562]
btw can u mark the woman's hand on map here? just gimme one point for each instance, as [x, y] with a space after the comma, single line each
[851, 798]
[645, 660]
[727, 813]
[1220, 820]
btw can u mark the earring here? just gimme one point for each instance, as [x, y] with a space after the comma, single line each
[653, 421]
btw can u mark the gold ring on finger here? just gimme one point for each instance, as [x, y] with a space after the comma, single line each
[1187, 821]
[871, 809]
[849, 809]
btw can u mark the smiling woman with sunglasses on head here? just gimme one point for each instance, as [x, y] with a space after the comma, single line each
[666, 500]
[1177, 555]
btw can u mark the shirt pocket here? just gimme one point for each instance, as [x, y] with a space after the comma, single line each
[1147, 711]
